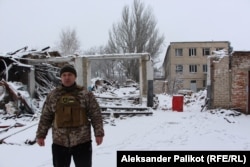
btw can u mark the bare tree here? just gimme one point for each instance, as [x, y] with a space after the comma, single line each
[108, 69]
[136, 33]
[96, 65]
[69, 43]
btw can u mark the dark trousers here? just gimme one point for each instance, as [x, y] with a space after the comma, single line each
[82, 155]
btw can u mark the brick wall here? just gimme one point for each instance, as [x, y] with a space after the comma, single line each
[220, 82]
[230, 81]
[240, 70]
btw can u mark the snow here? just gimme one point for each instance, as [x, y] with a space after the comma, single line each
[164, 130]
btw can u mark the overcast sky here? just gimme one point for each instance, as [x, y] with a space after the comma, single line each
[38, 23]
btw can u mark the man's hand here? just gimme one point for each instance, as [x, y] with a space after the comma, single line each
[98, 140]
[40, 141]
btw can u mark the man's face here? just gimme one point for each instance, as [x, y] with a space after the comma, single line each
[68, 79]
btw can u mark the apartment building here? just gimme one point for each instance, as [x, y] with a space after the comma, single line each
[185, 64]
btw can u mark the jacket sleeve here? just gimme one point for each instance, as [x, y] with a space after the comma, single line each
[46, 119]
[94, 113]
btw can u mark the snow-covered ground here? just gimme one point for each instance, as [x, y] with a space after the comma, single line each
[191, 129]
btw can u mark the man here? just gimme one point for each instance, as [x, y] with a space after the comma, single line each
[70, 110]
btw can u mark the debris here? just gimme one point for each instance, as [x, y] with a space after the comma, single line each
[205, 105]
[20, 103]
[11, 126]
[30, 142]
[228, 120]
[2, 139]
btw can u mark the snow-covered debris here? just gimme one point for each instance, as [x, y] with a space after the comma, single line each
[220, 54]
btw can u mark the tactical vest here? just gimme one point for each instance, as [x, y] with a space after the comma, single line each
[69, 112]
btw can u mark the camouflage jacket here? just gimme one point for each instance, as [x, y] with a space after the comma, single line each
[69, 137]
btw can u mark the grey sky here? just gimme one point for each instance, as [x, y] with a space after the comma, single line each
[38, 23]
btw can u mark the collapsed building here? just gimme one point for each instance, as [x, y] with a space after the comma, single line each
[38, 73]
[22, 71]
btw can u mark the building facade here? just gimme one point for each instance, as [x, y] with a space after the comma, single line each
[185, 64]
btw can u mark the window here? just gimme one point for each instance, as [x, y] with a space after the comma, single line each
[204, 67]
[192, 68]
[179, 68]
[192, 51]
[178, 52]
[204, 83]
[206, 51]
[193, 81]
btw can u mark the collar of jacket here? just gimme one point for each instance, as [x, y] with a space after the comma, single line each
[69, 88]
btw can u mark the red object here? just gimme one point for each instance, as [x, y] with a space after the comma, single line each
[177, 103]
